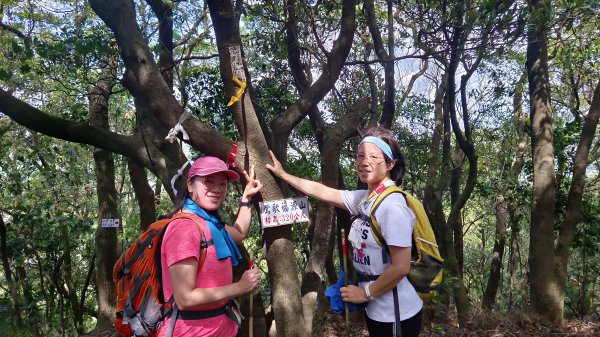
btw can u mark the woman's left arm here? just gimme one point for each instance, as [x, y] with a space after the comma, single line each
[241, 227]
[399, 268]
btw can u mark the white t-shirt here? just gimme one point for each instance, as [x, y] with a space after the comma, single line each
[396, 221]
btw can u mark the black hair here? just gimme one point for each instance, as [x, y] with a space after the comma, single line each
[397, 172]
[179, 202]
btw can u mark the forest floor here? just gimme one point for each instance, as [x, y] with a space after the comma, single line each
[482, 325]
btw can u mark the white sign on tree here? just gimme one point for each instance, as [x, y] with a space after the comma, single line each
[284, 211]
[111, 223]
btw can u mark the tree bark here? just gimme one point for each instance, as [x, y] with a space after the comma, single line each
[144, 194]
[153, 97]
[546, 292]
[312, 283]
[466, 145]
[455, 184]
[283, 124]
[489, 296]
[25, 287]
[283, 269]
[70, 292]
[573, 209]
[329, 141]
[164, 14]
[502, 202]
[86, 283]
[513, 264]
[106, 238]
[433, 194]
[436, 184]
[8, 275]
[143, 152]
[386, 57]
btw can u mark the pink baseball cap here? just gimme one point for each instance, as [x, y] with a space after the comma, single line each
[205, 166]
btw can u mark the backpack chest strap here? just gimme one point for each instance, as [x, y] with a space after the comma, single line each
[364, 277]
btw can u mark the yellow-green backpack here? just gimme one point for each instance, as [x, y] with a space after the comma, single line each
[427, 263]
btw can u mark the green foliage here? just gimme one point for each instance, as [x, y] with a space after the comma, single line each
[582, 290]
[45, 190]
[47, 186]
[206, 99]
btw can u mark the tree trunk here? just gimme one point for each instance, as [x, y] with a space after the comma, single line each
[466, 145]
[144, 194]
[70, 293]
[435, 194]
[283, 124]
[573, 209]
[547, 295]
[433, 190]
[26, 287]
[41, 275]
[86, 283]
[386, 58]
[502, 203]
[8, 275]
[311, 94]
[283, 269]
[164, 14]
[312, 283]
[432, 198]
[489, 296]
[513, 264]
[455, 183]
[106, 238]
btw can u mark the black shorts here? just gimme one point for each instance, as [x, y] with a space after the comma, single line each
[410, 327]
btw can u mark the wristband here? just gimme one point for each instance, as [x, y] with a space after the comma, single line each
[368, 293]
[245, 203]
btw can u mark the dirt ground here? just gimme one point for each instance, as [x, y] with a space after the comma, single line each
[482, 325]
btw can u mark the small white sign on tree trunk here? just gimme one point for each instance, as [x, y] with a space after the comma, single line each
[283, 212]
[111, 223]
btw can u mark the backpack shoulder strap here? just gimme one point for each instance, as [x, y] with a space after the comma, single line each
[204, 244]
[423, 234]
[375, 229]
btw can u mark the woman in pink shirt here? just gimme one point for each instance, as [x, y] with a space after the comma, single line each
[203, 295]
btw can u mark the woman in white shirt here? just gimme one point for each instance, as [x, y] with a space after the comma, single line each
[383, 285]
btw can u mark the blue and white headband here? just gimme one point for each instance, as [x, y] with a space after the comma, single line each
[383, 146]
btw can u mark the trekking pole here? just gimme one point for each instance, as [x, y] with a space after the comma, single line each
[251, 317]
[345, 266]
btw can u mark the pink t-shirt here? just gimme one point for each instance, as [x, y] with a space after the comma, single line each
[182, 241]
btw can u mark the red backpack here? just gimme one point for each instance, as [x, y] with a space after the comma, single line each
[137, 274]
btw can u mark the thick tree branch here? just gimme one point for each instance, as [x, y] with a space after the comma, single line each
[283, 125]
[369, 9]
[144, 80]
[34, 119]
[413, 79]
[39, 121]
[293, 48]
[8, 274]
[26, 38]
[580, 164]
[387, 115]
